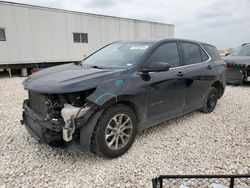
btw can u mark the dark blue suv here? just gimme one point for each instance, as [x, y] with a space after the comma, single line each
[102, 102]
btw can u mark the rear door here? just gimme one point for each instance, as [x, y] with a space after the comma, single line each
[201, 72]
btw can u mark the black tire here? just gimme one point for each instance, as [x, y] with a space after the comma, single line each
[99, 142]
[210, 101]
[57, 144]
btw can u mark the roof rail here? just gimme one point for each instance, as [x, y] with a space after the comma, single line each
[245, 44]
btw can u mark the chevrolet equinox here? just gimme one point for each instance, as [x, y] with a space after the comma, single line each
[101, 103]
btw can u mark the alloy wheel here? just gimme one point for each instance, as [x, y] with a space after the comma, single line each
[118, 131]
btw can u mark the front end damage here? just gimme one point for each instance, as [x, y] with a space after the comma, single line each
[60, 118]
[237, 73]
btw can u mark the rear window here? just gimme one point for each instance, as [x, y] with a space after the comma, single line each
[212, 51]
[204, 55]
[192, 53]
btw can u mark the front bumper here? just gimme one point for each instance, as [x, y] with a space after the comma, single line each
[237, 73]
[49, 130]
[234, 76]
[41, 129]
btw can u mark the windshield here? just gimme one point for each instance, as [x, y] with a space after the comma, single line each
[242, 51]
[118, 55]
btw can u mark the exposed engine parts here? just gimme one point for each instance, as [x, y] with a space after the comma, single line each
[63, 109]
[69, 113]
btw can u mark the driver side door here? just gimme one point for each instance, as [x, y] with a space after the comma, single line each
[166, 89]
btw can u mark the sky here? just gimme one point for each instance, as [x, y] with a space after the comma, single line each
[223, 23]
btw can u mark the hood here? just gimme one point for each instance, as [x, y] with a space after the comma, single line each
[66, 79]
[238, 59]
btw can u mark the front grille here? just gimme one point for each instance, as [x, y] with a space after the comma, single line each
[37, 102]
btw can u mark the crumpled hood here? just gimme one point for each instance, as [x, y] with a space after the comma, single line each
[65, 79]
[238, 59]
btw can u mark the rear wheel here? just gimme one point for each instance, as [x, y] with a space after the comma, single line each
[210, 100]
[115, 132]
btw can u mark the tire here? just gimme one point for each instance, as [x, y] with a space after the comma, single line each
[57, 144]
[210, 101]
[115, 132]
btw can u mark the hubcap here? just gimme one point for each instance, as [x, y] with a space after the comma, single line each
[118, 131]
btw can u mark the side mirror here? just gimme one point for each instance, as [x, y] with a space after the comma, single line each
[156, 67]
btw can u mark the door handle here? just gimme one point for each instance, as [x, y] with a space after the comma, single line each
[209, 67]
[180, 74]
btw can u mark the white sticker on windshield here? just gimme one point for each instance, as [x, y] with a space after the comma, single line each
[138, 47]
[129, 64]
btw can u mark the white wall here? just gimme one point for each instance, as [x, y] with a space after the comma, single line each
[36, 34]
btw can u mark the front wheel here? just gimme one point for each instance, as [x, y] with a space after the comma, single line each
[115, 131]
[210, 100]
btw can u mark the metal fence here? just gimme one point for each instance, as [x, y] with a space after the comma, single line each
[202, 181]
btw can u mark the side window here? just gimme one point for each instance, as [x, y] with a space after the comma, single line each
[2, 35]
[168, 53]
[204, 55]
[76, 37]
[212, 51]
[80, 37]
[192, 53]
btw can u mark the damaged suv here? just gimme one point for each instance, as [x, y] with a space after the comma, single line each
[238, 65]
[101, 103]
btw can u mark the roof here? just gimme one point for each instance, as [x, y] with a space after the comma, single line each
[155, 40]
[76, 12]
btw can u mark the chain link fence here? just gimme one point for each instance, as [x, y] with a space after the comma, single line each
[202, 181]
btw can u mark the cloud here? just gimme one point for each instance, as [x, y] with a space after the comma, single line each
[101, 4]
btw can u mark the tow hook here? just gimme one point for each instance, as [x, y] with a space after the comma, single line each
[68, 130]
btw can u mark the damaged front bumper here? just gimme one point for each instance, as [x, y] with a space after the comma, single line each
[40, 128]
[49, 130]
[237, 73]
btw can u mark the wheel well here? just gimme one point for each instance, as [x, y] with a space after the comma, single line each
[134, 108]
[219, 87]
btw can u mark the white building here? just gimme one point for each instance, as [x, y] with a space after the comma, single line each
[32, 34]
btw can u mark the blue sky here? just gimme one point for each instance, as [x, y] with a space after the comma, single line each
[224, 23]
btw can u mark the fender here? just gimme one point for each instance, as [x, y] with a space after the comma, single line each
[109, 92]
[86, 131]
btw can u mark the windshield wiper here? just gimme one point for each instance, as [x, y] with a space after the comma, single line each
[96, 67]
[78, 63]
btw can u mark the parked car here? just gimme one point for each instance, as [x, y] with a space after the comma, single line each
[101, 103]
[238, 65]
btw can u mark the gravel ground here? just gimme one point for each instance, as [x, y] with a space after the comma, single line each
[196, 143]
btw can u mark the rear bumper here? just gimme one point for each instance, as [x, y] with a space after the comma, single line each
[40, 128]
